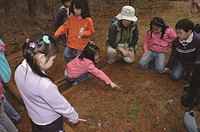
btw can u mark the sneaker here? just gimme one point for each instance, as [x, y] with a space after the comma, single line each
[190, 13]
[73, 84]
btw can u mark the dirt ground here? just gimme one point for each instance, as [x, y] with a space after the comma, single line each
[148, 101]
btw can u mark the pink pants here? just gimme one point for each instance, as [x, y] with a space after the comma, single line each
[196, 4]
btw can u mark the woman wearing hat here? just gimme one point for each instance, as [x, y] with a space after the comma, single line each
[123, 36]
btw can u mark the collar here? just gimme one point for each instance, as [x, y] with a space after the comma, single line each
[26, 65]
[189, 40]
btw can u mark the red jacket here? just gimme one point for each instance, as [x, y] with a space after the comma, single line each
[73, 26]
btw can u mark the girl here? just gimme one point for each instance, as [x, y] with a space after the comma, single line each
[44, 103]
[192, 99]
[6, 124]
[82, 66]
[159, 36]
[79, 27]
[194, 3]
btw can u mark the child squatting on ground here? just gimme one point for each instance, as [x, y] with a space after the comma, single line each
[61, 18]
[79, 28]
[6, 124]
[159, 37]
[43, 101]
[185, 50]
[123, 36]
[192, 100]
[83, 66]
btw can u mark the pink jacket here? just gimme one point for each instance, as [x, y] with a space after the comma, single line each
[156, 43]
[77, 67]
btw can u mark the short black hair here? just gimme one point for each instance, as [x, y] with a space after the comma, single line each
[185, 24]
[63, 1]
[197, 28]
[81, 4]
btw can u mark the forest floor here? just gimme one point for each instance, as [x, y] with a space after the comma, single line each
[148, 101]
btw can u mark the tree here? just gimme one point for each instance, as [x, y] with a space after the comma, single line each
[32, 8]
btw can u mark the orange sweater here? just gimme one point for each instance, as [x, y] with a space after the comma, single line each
[73, 26]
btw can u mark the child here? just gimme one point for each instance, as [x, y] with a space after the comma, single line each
[192, 99]
[123, 36]
[159, 36]
[5, 74]
[79, 27]
[43, 101]
[197, 28]
[62, 17]
[83, 66]
[196, 4]
[185, 50]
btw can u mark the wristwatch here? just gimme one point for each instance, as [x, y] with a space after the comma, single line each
[131, 50]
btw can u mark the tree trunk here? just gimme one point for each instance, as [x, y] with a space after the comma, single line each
[8, 5]
[32, 8]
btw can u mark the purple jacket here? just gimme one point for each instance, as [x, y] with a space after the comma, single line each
[41, 97]
[186, 55]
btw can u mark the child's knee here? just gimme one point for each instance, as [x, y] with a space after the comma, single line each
[142, 64]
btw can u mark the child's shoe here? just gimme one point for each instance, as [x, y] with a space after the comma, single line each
[73, 84]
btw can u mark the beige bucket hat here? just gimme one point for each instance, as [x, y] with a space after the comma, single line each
[127, 13]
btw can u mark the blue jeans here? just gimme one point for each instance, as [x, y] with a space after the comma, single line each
[68, 53]
[10, 111]
[176, 72]
[159, 58]
[190, 122]
[78, 79]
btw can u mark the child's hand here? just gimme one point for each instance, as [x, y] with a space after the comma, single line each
[166, 70]
[80, 33]
[145, 53]
[113, 85]
[170, 42]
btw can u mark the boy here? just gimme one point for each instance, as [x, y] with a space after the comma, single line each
[61, 18]
[185, 50]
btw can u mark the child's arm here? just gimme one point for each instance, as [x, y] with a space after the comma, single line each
[100, 74]
[59, 18]
[63, 28]
[58, 103]
[89, 31]
[5, 71]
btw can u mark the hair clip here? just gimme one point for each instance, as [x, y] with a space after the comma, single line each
[32, 45]
[91, 42]
[46, 39]
[27, 40]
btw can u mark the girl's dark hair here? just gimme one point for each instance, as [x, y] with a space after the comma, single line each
[63, 1]
[89, 52]
[48, 47]
[185, 24]
[81, 4]
[157, 21]
[197, 28]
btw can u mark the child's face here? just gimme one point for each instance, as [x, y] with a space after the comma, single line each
[67, 4]
[77, 11]
[156, 29]
[182, 35]
[126, 23]
[43, 63]
[96, 57]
